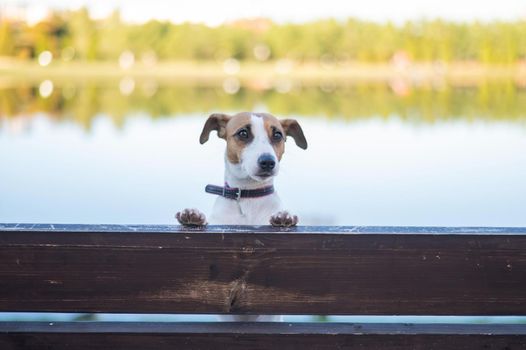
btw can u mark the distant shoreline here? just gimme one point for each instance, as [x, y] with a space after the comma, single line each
[259, 75]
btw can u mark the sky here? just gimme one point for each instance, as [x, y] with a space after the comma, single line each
[217, 12]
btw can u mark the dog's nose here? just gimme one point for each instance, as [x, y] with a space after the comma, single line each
[266, 162]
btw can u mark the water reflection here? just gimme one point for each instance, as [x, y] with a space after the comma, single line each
[81, 103]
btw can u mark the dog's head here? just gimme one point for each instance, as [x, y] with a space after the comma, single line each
[255, 141]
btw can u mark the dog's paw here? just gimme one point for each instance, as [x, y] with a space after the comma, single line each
[283, 219]
[191, 217]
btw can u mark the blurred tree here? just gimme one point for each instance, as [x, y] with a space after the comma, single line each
[326, 40]
[114, 36]
[7, 44]
[83, 34]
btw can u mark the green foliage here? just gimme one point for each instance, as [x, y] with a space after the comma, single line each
[425, 40]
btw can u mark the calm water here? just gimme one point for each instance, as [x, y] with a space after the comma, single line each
[378, 154]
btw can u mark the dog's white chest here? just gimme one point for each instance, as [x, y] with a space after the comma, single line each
[246, 211]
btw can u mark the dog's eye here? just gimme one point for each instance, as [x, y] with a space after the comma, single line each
[243, 134]
[277, 136]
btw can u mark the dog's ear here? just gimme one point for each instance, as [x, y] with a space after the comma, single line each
[217, 122]
[293, 128]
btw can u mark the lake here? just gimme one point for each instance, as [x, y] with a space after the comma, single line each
[379, 153]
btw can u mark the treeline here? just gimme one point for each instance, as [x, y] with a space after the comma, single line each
[82, 104]
[75, 35]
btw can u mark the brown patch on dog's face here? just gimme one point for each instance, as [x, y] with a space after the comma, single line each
[229, 128]
[238, 136]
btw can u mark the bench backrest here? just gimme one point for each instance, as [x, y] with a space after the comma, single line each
[306, 270]
[243, 270]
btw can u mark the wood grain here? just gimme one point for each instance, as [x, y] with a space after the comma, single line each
[304, 270]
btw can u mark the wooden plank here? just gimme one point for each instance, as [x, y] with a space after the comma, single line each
[160, 336]
[243, 270]
[23, 227]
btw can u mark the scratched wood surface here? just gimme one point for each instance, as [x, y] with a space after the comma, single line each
[161, 336]
[306, 270]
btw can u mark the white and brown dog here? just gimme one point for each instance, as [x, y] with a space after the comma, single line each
[255, 143]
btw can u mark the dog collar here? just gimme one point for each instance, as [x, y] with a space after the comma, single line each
[236, 193]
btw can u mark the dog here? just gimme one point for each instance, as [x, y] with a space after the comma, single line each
[255, 143]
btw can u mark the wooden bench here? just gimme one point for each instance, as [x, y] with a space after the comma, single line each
[245, 270]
